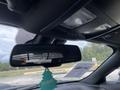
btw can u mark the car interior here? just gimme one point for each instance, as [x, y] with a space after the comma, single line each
[55, 21]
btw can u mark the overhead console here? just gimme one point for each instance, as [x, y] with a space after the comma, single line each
[94, 18]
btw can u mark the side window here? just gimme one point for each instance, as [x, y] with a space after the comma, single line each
[94, 51]
[114, 76]
[92, 56]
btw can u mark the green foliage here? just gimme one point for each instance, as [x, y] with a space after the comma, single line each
[98, 51]
[6, 67]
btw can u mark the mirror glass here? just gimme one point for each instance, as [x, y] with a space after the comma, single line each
[44, 55]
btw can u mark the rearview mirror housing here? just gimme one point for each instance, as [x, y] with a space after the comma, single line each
[44, 55]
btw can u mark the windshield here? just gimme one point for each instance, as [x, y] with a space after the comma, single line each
[92, 56]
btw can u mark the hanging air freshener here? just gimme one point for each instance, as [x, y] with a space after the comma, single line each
[48, 82]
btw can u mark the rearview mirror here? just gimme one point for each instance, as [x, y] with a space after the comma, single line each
[44, 55]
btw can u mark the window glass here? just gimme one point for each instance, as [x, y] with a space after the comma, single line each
[114, 76]
[92, 56]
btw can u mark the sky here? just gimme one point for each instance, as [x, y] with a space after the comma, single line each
[8, 41]
[81, 44]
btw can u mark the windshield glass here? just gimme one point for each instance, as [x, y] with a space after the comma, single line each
[92, 56]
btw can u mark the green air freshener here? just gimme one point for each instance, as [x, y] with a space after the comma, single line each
[48, 82]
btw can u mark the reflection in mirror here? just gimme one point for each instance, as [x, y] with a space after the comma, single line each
[37, 58]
